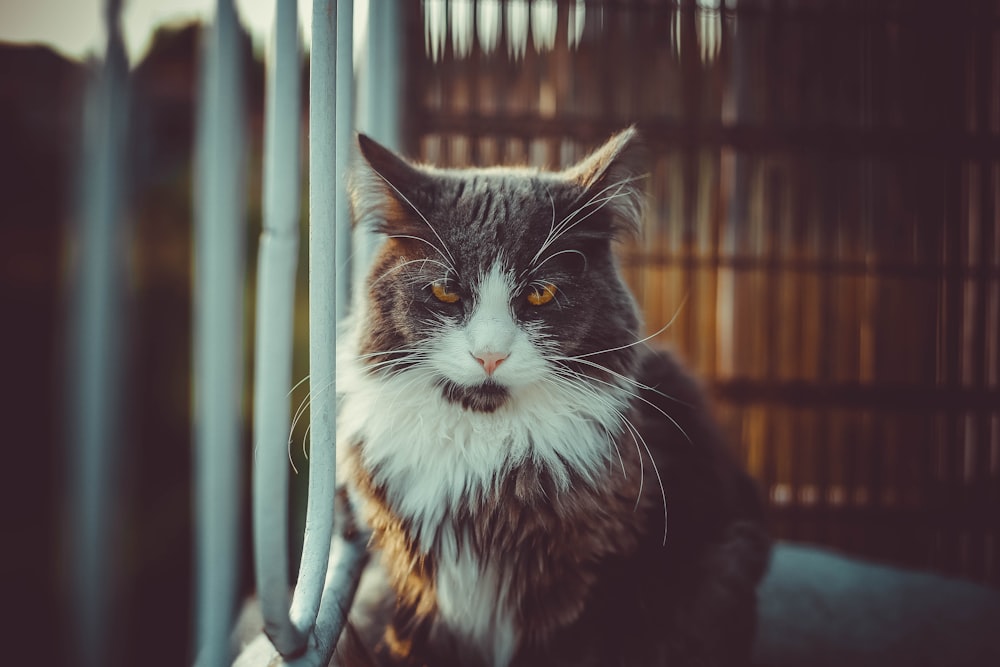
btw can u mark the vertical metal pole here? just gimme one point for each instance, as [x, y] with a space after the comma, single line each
[345, 142]
[95, 402]
[328, 573]
[278, 256]
[218, 335]
[322, 314]
[380, 85]
[379, 100]
[331, 564]
[346, 557]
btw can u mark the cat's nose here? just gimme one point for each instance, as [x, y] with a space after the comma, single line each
[490, 360]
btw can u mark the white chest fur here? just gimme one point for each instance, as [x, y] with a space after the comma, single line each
[472, 599]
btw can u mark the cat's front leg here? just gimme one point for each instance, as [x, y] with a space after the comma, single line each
[716, 626]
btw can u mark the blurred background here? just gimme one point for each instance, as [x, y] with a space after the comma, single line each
[824, 230]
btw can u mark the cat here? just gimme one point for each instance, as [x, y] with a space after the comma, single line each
[542, 487]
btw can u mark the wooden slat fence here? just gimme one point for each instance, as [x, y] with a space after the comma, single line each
[824, 183]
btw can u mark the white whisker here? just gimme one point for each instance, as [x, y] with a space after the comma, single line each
[637, 384]
[656, 471]
[422, 217]
[574, 384]
[402, 265]
[536, 267]
[436, 249]
[297, 385]
[638, 342]
[598, 198]
[641, 446]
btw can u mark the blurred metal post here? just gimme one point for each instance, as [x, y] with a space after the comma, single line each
[277, 259]
[218, 335]
[322, 314]
[380, 80]
[93, 438]
[379, 100]
[347, 556]
[345, 144]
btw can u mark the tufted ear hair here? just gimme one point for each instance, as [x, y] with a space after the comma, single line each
[611, 179]
[385, 190]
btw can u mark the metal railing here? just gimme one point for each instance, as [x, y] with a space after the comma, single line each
[301, 627]
[304, 632]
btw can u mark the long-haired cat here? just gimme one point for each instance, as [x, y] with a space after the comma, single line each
[541, 486]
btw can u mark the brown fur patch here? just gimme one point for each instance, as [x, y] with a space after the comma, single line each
[411, 573]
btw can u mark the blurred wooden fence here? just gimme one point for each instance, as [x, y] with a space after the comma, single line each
[825, 181]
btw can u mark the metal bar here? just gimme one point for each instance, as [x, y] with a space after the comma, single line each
[347, 558]
[329, 573]
[322, 315]
[95, 402]
[379, 101]
[279, 247]
[218, 335]
[345, 141]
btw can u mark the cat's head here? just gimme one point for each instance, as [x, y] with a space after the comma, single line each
[494, 280]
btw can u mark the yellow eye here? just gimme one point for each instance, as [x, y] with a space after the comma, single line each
[542, 294]
[441, 293]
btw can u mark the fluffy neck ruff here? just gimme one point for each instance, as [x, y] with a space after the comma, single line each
[433, 458]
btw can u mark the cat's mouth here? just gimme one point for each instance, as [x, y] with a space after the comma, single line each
[485, 397]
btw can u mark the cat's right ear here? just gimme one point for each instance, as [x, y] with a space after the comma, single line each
[612, 177]
[385, 190]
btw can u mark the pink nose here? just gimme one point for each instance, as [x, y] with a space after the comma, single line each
[490, 360]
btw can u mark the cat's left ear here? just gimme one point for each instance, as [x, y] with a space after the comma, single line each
[612, 177]
[384, 188]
